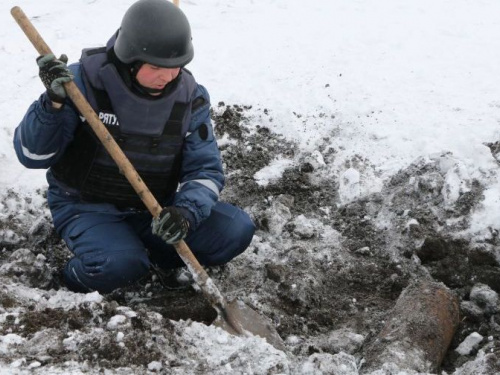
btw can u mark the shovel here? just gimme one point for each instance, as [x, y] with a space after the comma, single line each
[235, 317]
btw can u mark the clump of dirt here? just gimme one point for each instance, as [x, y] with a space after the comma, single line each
[150, 294]
[139, 347]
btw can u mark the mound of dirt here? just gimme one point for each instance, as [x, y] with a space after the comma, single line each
[325, 269]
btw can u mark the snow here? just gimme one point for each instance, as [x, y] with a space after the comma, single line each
[469, 344]
[386, 81]
[117, 321]
[349, 187]
[154, 366]
[272, 172]
[10, 339]
[485, 297]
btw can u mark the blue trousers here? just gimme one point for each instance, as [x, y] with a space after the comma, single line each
[114, 248]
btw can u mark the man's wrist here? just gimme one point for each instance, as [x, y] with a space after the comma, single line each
[188, 215]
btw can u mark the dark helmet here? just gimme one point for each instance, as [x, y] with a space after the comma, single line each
[156, 32]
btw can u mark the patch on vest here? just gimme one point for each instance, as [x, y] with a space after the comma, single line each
[108, 119]
[203, 132]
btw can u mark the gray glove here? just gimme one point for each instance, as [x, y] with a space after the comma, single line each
[54, 73]
[170, 225]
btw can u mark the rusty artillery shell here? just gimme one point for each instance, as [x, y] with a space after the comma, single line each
[418, 330]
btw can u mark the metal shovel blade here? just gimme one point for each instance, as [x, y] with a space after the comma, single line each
[251, 322]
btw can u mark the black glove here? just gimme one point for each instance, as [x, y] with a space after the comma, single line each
[54, 73]
[170, 225]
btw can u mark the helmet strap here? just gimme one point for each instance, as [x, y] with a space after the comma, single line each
[147, 89]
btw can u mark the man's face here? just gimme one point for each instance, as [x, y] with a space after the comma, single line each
[154, 77]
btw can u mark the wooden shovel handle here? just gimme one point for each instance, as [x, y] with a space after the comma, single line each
[88, 112]
[120, 158]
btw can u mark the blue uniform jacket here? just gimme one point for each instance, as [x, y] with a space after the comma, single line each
[44, 133]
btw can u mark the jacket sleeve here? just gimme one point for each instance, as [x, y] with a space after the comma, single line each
[202, 177]
[45, 132]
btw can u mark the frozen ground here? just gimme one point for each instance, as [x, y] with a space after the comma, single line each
[360, 136]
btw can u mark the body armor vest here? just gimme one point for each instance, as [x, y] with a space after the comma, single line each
[149, 131]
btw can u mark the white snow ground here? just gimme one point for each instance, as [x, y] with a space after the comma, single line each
[387, 81]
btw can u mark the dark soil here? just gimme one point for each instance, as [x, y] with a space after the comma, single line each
[310, 284]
